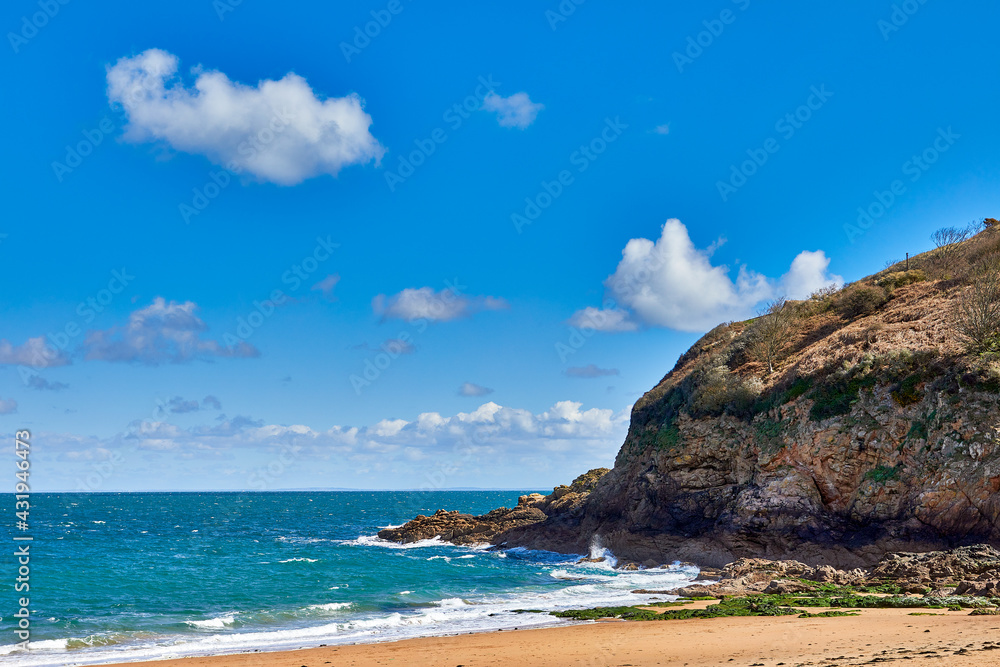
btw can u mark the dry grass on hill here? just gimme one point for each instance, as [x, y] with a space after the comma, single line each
[900, 320]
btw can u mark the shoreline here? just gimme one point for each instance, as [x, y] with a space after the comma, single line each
[875, 636]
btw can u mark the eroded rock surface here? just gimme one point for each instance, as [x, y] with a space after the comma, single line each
[458, 528]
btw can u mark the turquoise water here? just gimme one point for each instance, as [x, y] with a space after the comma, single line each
[118, 577]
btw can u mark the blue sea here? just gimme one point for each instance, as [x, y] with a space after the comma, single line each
[141, 576]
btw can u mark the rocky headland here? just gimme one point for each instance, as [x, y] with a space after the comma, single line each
[851, 430]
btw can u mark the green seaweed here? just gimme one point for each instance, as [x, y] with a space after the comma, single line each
[828, 614]
[748, 606]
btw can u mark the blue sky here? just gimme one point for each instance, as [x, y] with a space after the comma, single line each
[446, 204]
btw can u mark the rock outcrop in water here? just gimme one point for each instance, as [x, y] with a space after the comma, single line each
[876, 432]
[458, 528]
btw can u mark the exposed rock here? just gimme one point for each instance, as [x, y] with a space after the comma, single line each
[968, 563]
[646, 591]
[696, 591]
[759, 569]
[783, 587]
[875, 434]
[461, 528]
[988, 588]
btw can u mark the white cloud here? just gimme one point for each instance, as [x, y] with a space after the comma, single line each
[471, 389]
[662, 129]
[492, 444]
[34, 352]
[8, 406]
[326, 285]
[671, 283]
[515, 111]
[424, 303]
[808, 274]
[278, 131]
[159, 333]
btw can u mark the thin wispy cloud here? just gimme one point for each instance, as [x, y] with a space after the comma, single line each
[326, 286]
[42, 384]
[590, 371]
[472, 389]
[8, 406]
[278, 131]
[426, 303]
[179, 405]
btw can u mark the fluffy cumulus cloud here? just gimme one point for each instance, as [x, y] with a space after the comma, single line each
[515, 111]
[278, 131]
[472, 389]
[808, 274]
[425, 303]
[164, 331]
[34, 352]
[8, 406]
[673, 284]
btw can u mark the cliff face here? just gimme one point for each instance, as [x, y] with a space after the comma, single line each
[876, 432]
[860, 422]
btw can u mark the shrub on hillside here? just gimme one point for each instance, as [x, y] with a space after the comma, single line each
[769, 333]
[977, 315]
[720, 390]
[861, 300]
[901, 279]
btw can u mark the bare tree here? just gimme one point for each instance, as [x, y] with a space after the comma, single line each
[769, 331]
[946, 241]
[977, 316]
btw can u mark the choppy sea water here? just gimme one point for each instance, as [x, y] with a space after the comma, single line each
[142, 576]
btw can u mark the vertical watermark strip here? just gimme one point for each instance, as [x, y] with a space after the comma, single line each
[22, 506]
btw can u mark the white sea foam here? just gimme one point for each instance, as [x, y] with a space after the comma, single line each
[589, 585]
[212, 623]
[300, 560]
[452, 602]
[376, 541]
[330, 606]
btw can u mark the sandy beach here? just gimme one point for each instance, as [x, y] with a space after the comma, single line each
[876, 636]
